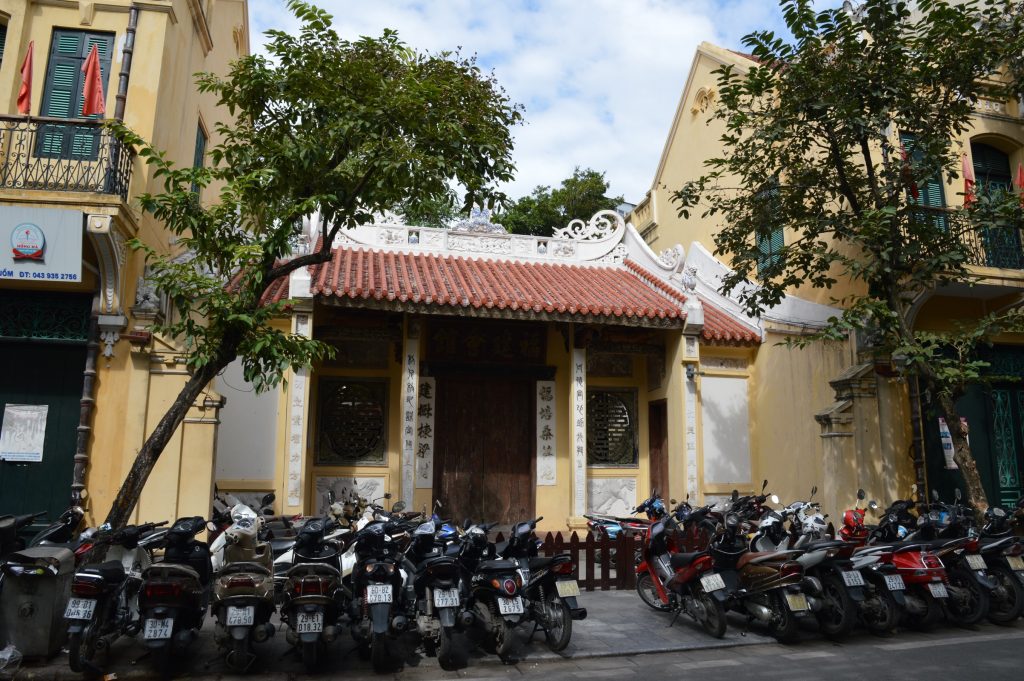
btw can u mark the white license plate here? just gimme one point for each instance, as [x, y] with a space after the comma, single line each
[567, 588]
[1016, 563]
[975, 561]
[712, 582]
[80, 609]
[510, 606]
[938, 590]
[158, 629]
[853, 578]
[378, 593]
[309, 622]
[241, 617]
[446, 598]
[797, 602]
[895, 583]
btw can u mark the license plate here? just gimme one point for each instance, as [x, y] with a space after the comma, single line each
[938, 590]
[158, 629]
[1016, 563]
[712, 582]
[567, 588]
[241, 617]
[309, 622]
[510, 606]
[975, 561]
[80, 609]
[378, 593]
[895, 583]
[446, 598]
[853, 578]
[796, 602]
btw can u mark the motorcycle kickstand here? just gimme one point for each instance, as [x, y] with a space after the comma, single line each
[679, 611]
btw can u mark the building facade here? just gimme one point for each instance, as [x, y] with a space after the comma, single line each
[84, 379]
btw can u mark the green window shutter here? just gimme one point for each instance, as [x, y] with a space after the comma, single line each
[769, 243]
[199, 157]
[3, 40]
[930, 192]
[991, 166]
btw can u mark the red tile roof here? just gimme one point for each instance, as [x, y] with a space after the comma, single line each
[629, 295]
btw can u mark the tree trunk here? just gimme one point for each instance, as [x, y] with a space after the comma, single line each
[128, 496]
[962, 455]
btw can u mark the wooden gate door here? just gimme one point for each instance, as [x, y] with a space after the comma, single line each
[483, 449]
[658, 430]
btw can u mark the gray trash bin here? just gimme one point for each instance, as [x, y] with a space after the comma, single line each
[35, 591]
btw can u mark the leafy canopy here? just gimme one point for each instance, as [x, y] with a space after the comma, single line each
[545, 210]
[321, 124]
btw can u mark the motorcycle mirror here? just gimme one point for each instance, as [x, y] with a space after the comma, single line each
[764, 485]
[268, 499]
[398, 507]
[872, 504]
[467, 523]
[735, 494]
[211, 526]
[268, 511]
[935, 494]
[957, 494]
[437, 503]
[775, 498]
[387, 495]
[860, 494]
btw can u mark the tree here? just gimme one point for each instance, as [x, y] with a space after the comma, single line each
[348, 129]
[438, 211]
[832, 135]
[546, 209]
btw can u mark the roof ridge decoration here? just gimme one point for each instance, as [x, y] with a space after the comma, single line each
[596, 241]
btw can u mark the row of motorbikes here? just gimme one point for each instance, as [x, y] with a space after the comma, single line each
[380, 573]
[921, 562]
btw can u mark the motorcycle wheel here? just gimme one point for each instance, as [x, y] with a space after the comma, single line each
[648, 594]
[380, 653]
[837, 617]
[80, 648]
[483, 632]
[930, 617]
[164, 661]
[559, 629]
[504, 638]
[713, 621]
[1005, 611]
[782, 626]
[310, 655]
[445, 651]
[881, 613]
[975, 608]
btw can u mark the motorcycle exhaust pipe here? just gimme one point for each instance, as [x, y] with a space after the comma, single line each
[466, 618]
[399, 623]
[760, 612]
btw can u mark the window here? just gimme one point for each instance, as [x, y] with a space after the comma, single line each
[611, 428]
[769, 237]
[929, 192]
[991, 167]
[63, 92]
[353, 422]
[199, 159]
[992, 174]
[3, 40]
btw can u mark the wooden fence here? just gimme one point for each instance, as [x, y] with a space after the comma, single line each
[595, 571]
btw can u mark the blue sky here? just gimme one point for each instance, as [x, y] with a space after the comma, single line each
[600, 79]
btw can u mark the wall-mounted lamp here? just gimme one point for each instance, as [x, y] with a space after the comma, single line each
[691, 371]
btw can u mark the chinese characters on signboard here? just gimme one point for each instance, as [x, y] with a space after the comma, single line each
[410, 384]
[425, 435]
[546, 432]
[579, 431]
[296, 420]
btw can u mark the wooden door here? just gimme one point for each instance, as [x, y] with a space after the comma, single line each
[483, 449]
[658, 431]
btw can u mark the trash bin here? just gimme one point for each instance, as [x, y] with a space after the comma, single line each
[35, 591]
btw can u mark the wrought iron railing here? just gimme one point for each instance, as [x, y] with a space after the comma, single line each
[981, 246]
[56, 154]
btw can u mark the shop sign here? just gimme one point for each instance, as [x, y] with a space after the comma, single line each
[42, 244]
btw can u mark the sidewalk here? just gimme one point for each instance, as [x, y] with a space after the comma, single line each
[618, 623]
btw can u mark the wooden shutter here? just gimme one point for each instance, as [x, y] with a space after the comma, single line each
[3, 40]
[991, 166]
[930, 192]
[770, 243]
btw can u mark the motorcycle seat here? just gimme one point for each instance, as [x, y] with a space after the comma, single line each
[681, 560]
[497, 566]
[252, 568]
[820, 544]
[434, 560]
[279, 546]
[112, 571]
[168, 570]
[996, 543]
[312, 569]
[762, 556]
[540, 562]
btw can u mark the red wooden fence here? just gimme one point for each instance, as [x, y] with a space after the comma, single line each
[594, 569]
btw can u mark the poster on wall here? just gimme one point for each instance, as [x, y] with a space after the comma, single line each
[23, 432]
[947, 442]
[40, 244]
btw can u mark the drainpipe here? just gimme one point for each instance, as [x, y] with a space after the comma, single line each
[88, 400]
[126, 62]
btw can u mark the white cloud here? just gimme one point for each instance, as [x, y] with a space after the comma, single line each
[600, 79]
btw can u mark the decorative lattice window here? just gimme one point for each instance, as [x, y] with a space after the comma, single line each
[353, 422]
[611, 428]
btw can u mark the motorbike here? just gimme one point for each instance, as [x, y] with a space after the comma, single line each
[1002, 554]
[104, 597]
[313, 597]
[243, 589]
[441, 596]
[175, 594]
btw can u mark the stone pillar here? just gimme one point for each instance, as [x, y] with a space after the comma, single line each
[410, 390]
[579, 434]
[298, 418]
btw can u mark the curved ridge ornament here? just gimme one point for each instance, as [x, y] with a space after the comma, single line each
[603, 225]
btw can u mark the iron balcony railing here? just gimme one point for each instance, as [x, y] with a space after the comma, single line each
[56, 154]
[981, 246]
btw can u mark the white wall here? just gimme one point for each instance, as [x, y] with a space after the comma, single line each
[247, 432]
[726, 426]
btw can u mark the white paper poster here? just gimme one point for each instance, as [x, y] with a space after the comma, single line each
[23, 432]
[947, 442]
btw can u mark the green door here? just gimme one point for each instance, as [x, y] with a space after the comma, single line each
[41, 371]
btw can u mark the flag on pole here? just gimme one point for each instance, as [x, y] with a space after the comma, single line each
[25, 93]
[1020, 183]
[968, 169]
[908, 174]
[92, 100]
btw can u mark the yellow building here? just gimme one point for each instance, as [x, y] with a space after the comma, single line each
[83, 381]
[864, 436]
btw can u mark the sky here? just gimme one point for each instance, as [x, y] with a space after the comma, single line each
[599, 79]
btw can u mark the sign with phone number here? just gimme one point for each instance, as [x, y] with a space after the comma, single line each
[41, 244]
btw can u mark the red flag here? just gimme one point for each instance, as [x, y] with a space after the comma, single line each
[25, 93]
[908, 175]
[92, 100]
[1020, 183]
[968, 169]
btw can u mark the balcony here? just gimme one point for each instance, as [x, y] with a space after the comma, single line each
[995, 247]
[60, 155]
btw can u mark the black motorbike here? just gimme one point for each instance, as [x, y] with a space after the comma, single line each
[1002, 554]
[175, 594]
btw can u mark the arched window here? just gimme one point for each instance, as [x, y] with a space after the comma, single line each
[991, 167]
[992, 174]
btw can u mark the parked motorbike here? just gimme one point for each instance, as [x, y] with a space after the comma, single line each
[10, 525]
[1002, 554]
[175, 593]
[441, 595]
[104, 597]
[243, 591]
